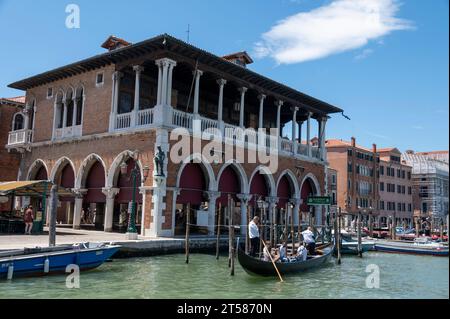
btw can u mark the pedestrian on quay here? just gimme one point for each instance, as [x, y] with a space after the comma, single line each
[253, 233]
[28, 219]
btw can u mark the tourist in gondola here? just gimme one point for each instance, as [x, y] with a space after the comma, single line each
[308, 238]
[253, 233]
[302, 253]
[267, 254]
[282, 250]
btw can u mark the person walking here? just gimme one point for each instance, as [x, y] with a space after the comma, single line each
[253, 233]
[28, 219]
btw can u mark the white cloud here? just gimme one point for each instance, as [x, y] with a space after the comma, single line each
[364, 54]
[337, 27]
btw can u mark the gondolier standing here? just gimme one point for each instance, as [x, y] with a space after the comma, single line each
[308, 237]
[253, 233]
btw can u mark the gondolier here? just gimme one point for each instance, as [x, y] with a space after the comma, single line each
[253, 233]
[308, 238]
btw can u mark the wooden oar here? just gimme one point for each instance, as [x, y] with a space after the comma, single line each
[273, 263]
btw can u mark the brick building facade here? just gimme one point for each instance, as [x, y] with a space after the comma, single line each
[91, 116]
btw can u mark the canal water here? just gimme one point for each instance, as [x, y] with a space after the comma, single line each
[401, 276]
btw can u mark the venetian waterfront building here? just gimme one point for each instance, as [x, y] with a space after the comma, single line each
[91, 116]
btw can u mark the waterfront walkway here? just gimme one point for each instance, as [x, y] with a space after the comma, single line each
[130, 248]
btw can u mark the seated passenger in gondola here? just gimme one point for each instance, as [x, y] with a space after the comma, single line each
[282, 250]
[267, 254]
[302, 253]
[308, 237]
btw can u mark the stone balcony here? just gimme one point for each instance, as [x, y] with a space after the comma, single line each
[230, 133]
[19, 139]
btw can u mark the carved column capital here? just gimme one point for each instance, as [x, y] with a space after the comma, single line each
[221, 82]
[79, 192]
[110, 192]
[245, 198]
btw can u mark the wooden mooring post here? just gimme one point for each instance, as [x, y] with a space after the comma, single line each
[338, 242]
[188, 222]
[359, 235]
[230, 226]
[247, 238]
[219, 216]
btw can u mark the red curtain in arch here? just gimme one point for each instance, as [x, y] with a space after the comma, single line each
[125, 183]
[41, 174]
[307, 189]
[95, 181]
[283, 192]
[67, 181]
[192, 185]
[258, 187]
[228, 184]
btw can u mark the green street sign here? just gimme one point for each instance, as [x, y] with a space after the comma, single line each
[319, 200]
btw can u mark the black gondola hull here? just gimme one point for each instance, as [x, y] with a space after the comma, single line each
[263, 268]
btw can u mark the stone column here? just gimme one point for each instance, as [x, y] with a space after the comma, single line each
[221, 83]
[279, 104]
[212, 199]
[74, 113]
[159, 92]
[323, 151]
[169, 84]
[165, 76]
[272, 201]
[294, 130]
[308, 134]
[261, 98]
[297, 202]
[115, 101]
[79, 193]
[244, 198]
[198, 74]
[64, 104]
[26, 112]
[110, 194]
[137, 94]
[242, 90]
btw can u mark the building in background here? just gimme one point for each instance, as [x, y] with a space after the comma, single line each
[12, 118]
[430, 186]
[395, 188]
[357, 177]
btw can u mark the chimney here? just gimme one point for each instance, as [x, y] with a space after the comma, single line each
[353, 142]
[114, 43]
[374, 148]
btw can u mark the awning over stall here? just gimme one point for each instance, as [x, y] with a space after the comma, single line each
[31, 189]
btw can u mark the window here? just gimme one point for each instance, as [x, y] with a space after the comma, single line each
[399, 207]
[18, 122]
[409, 208]
[349, 152]
[403, 174]
[399, 189]
[399, 173]
[350, 167]
[409, 190]
[381, 170]
[382, 205]
[424, 207]
[125, 103]
[99, 79]
[409, 175]
[49, 93]
[333, 179]
[403, 207]
[381, 187]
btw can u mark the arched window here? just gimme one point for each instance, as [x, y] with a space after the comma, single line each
[79, 100]
[70, 108]
[59, 110]
[18, 122]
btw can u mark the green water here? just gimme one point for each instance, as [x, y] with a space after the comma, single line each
[401, 276]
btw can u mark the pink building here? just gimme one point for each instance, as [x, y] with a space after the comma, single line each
[395, 189]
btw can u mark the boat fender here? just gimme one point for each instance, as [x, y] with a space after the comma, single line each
[46, 265]
[10, 272]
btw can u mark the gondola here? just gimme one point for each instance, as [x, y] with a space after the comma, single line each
[257, 266]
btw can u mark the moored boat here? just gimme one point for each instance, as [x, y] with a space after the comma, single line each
[420, 246]
[253, 265]
[50, 260]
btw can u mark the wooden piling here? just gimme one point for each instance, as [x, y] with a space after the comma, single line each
[292, 231]
[359, 235]
[271, 217]
[417, 227]
[230, 238]
[299, 229]
[188, 222]
[338, 243]
[218, 231]
[263, 230]
[247, 238]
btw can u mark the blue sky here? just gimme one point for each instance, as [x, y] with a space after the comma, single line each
[390, 75]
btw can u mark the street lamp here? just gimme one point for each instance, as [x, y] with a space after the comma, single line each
[131, 231]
